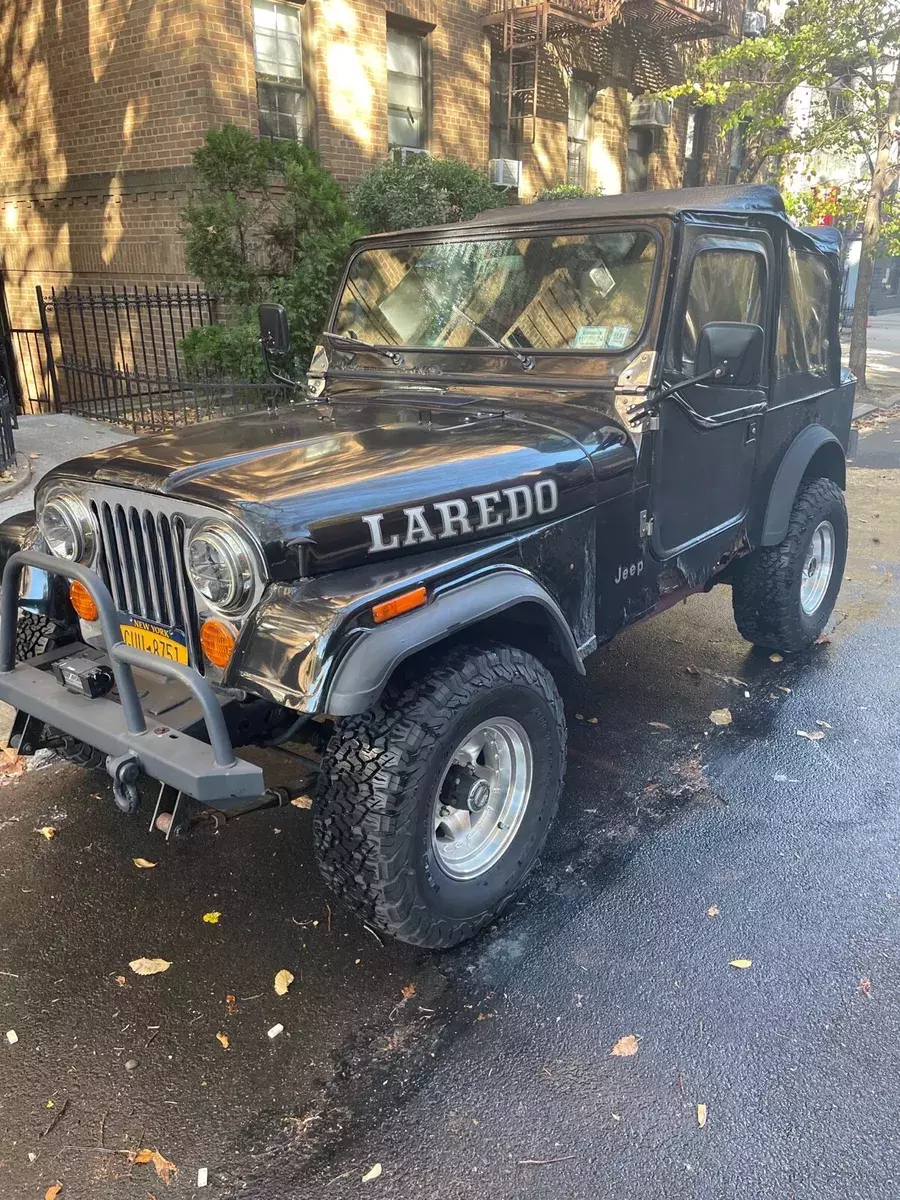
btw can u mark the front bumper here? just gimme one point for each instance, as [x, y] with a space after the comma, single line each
[209, 771]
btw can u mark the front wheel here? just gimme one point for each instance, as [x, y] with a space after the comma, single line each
[434, 805]
[783, 595]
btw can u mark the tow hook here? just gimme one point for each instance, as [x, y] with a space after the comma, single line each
[125, 772]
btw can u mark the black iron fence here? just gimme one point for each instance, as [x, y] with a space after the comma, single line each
[7, 409]
[116, 354]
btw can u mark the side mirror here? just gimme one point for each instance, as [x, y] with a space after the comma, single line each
[734, 347]
[274, 328]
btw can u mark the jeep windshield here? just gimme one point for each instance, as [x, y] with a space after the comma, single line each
[586, 292]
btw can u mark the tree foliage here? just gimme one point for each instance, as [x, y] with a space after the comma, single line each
[421, 191]
[266, 223]
[826, 79]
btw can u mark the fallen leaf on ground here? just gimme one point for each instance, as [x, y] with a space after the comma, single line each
[223, 1038]
[212, 918]
[302, 802]
[373, 1174]
[776, 658]
[787, 691]
[143, 864]
[11, 762]
[408, 991]
[720, 716]
[47, 831]
[865, 985]
[283, 981]
[625, 1047]
[741, 963]
[712, 911]
[53, 1191]
[692, 670]
[164, 1169]
[230, 1004]
[824, 724]
[701, 1114]
[823, 640]
[121, 981]
[815, 736]
[659, 725]
[149, 966]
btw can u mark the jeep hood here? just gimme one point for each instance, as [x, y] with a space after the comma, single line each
[307, 476]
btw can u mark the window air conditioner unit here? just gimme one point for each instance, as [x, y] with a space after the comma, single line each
[656, 114]
[507, 172]
[754, 24]
[402, 154]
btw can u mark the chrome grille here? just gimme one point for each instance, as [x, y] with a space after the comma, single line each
[141, 561]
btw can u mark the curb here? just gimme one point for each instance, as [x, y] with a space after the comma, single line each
[864, 408]
[24, 469]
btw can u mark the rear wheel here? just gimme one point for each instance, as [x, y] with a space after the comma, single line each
[434, 805]
[783, 595]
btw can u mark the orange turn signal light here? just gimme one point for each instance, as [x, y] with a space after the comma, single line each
[399, 605]
[83, 602]
[218, 641]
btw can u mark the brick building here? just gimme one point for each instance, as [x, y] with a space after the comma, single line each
[103, 105]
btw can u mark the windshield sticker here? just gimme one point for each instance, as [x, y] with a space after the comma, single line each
[591, 337]
[619, 337]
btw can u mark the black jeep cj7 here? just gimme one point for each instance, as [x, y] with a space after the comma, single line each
[520, 434]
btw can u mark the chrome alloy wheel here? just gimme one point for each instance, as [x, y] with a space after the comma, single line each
[817, 567]
[482, 798]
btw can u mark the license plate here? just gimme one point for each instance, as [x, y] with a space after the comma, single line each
[156, 639]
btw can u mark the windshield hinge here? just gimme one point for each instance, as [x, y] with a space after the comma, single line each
[645, 529]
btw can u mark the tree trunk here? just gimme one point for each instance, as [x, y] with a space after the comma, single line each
[871, 231]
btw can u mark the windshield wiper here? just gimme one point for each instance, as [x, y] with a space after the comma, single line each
[527, 362]
[358, 344]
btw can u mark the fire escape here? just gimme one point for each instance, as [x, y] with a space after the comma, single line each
[524, 28]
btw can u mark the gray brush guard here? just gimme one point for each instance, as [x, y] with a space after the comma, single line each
[209, 772]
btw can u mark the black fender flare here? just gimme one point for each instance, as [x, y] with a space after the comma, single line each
[788, 477]
[362, 672]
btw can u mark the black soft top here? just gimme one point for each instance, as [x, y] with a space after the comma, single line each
[738, 199]
[733, 200]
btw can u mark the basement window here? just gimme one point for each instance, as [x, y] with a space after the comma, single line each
[280, 83]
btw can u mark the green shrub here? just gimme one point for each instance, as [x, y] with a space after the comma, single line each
[421, 191]
[565, 191]
[266, 223]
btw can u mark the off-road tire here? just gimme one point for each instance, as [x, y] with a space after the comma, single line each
[766, 585]
[382, 771]
[33, 635]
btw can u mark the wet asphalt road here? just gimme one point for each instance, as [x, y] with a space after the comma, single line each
[494, 1078]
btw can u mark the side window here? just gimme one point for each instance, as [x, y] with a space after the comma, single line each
[726, 285]
[803, 321]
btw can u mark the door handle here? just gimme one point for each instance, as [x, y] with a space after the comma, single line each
[752, 430]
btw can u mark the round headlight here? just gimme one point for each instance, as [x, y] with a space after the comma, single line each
[67, 527]
[220, 565]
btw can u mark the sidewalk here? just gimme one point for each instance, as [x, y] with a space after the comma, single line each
[51, 439]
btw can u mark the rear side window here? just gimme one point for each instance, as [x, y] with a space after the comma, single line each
[803, 321]
[726, 285]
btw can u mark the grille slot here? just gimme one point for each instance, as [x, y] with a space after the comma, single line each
[141, 561]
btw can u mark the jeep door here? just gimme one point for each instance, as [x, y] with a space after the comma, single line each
[704, 452]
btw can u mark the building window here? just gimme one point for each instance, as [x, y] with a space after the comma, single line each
[581, 101]
[695, 146]
[280, 86]
[503, 140]
[640, 147]
[407, 107]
